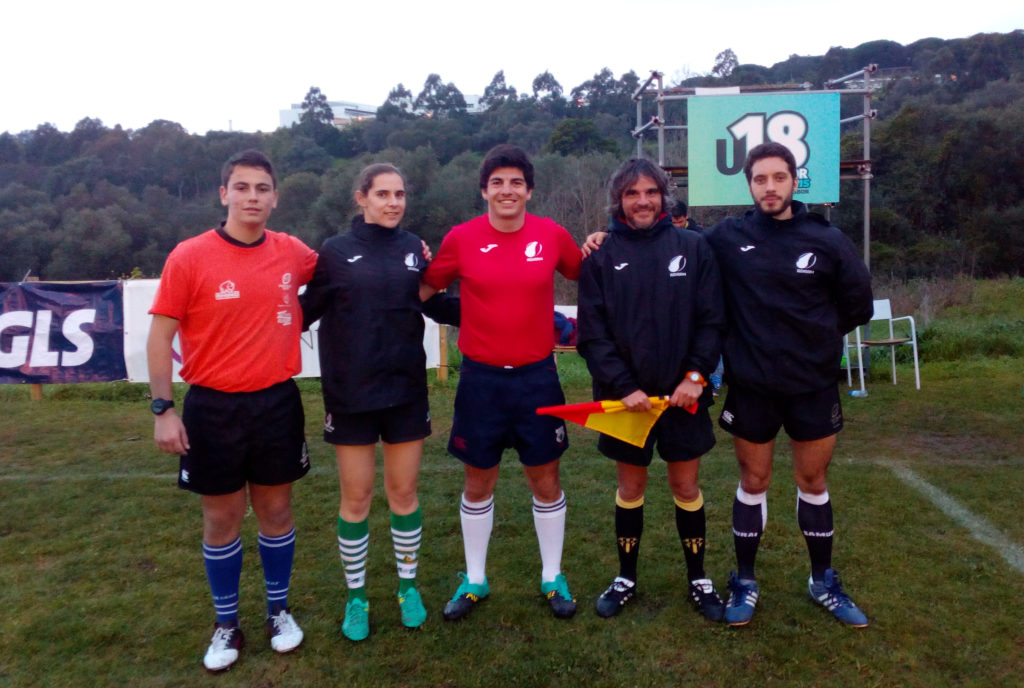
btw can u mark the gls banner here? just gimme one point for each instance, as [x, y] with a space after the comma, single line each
[723, 129]
[61, 332]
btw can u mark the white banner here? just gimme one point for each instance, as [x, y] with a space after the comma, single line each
[138, 297]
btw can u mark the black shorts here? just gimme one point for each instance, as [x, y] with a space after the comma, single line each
[403, 423]
[680, 436]
[757, 417]
[496, 409]
[243, 437]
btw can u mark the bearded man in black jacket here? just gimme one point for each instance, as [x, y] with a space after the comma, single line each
[793, 286]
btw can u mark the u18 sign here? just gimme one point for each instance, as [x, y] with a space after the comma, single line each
[723, 129]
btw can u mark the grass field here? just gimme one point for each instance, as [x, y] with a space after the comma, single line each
[101, 578]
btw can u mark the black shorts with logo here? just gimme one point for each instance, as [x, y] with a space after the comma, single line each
[402, 423]
[243, 437]
[757, 417]
[496, 409]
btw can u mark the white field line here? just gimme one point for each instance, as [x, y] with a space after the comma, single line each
[980, 529]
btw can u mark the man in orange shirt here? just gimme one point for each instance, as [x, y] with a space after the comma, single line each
[231, 296]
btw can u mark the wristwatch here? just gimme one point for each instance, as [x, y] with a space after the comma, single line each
[694, 376]
[160, 406]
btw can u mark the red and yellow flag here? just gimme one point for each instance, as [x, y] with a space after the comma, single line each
[612, 418]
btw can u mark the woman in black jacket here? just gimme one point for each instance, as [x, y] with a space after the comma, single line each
[365, 291]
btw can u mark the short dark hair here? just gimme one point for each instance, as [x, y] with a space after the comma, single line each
[679, 209]
[627, 175]
[247, 158]
[506, 155]
[364, 180]
[769, 150]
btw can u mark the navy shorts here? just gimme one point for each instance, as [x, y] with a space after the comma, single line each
[403, 423]
[757, 417]
[243, 437]
[679, 435]
[496, 409]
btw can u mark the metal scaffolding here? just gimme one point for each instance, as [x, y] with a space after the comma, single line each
[654, 90]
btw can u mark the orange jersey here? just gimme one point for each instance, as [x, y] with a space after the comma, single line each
[237, 307]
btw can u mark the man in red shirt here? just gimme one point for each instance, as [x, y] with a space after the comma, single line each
[505, 261]
[231, 297]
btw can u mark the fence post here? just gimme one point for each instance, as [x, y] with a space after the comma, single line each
[35, 389]
[442, 339]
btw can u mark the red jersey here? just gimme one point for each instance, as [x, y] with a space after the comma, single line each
[506, 286]
[237, 307]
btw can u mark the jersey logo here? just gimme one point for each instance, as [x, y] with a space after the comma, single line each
[676, 266]
[284, 318]
[621, 265]
[533, 251]
[411, 261]
[227, 290]
[285, 287]
[805, 262]
[746, 248]
[354, 258]
[488, 247]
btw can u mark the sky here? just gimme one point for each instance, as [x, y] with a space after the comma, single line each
[213, 65]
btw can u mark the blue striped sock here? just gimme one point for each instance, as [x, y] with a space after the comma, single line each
[223, 571]
[277, 554]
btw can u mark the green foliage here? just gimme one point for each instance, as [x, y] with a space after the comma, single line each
[578, 137]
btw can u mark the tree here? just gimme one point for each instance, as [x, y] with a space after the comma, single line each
[545, 86]
[725, 63]
[315, 109]
[593, 93]
[438, 99]
[497, 92]
[10, 149]
[575, 136]
[47, 146]
[398, 105]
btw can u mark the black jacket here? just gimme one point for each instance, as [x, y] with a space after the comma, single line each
[650, 309]
[365, 291]
[793, 288]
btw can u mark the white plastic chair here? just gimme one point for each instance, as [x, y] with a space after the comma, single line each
[883, 312]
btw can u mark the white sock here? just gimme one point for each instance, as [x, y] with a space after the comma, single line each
[477, 521]
[549, 521]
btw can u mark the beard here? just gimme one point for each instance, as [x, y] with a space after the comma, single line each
[787, 202]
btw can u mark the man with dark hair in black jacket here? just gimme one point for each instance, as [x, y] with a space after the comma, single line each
[793, 286]
[650, 321]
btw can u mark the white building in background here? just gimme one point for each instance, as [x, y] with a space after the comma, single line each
[347, 112]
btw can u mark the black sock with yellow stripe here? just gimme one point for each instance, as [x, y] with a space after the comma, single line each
[629, 526]
[692, 526]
